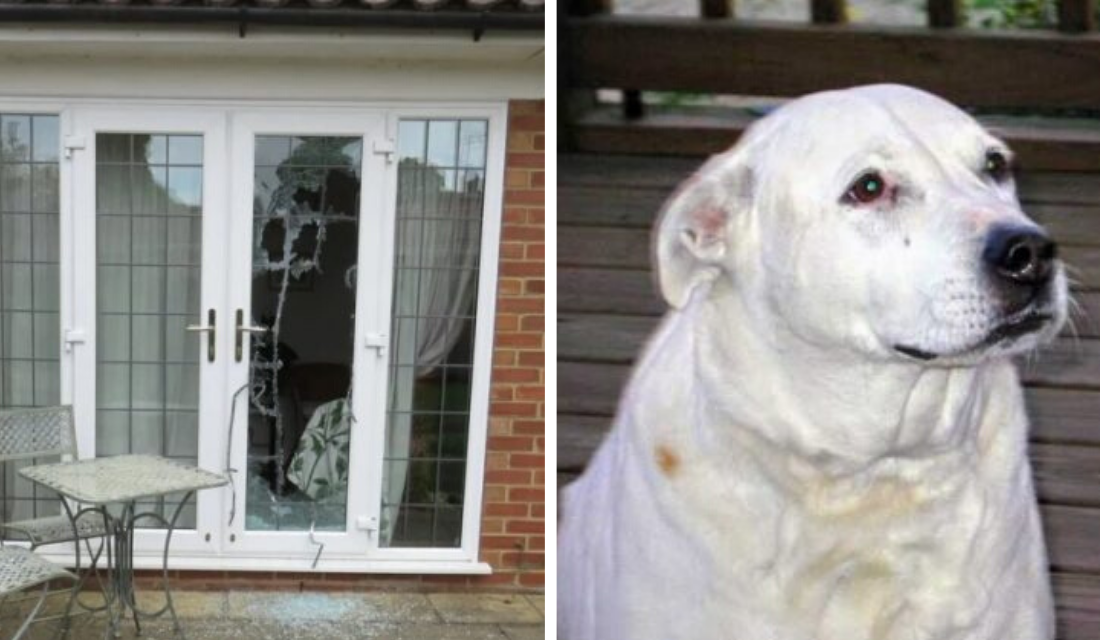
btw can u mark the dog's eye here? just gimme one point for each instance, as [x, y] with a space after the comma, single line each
[996, 166]
[866, 189]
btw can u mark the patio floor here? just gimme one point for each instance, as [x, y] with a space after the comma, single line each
[261, 615]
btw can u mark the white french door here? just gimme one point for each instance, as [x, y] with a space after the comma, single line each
[301, 298]
[208, 325]
[149, 244]
[309, 281]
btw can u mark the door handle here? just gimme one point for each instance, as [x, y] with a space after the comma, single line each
[241, 330]
[211, 333]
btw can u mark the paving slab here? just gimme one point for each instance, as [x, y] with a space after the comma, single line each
[224, 629]
[242, 615]
[188, 604]
[439, 632]
[291, 608]
[485, 608]
[524, 632]
[539, 603]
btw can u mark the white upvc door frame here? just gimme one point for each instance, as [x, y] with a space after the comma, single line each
[83, 126]
[369, 379]
[492, 212]
[222, 168]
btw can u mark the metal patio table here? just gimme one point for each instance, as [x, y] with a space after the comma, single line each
[119, 482]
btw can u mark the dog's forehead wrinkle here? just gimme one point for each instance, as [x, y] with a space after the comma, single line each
[952, 148]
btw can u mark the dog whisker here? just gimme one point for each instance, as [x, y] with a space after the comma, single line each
[1079, 312]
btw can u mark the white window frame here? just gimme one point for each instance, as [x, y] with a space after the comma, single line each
[462, 560]
[484, 327]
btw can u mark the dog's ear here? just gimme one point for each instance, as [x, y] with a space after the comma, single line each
[692, 237]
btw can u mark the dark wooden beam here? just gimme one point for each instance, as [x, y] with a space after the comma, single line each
[828, 11]
[716, 8]
[1022, 69]
[633, 108]
[1042, 148]
[571, 102]
[944, 14]
[1076, 16]
[584, 8]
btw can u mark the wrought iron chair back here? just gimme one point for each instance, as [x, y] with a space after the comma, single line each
[35, 433]
[28, 434]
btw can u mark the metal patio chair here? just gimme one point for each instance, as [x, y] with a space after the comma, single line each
[31, 435]
[21, 569]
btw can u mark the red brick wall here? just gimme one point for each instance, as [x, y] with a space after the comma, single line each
[513, 527]
[513, 522]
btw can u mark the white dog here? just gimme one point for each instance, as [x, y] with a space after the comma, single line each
[826, 439]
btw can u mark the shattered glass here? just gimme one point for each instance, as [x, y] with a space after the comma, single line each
[304, 255]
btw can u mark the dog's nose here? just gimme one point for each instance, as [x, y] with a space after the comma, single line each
[1021, 255]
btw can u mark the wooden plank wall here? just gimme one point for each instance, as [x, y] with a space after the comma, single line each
[607, 305]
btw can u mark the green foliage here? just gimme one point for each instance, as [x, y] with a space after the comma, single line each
[1013, 14]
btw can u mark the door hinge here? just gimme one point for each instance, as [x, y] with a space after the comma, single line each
[74, 143]
[74, 336]
[376, 341]
[367, 523]
[385, 147]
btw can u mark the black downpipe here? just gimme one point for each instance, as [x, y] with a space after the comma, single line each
[476, 22]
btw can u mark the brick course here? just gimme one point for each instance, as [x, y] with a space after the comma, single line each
[513, 525]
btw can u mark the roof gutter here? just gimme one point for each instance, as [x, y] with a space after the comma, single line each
[478, 23]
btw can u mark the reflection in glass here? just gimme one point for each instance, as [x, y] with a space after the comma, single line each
[304, 255]
[440, 198]
[148, 247]
[442, 143]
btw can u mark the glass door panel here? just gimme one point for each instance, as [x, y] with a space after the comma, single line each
[305, 226]
[149, 243]
[148, 275]
[309, 214]
[149, 224]
[440, 201]
[30, 326]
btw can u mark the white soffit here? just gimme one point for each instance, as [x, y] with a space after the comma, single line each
[268, 64]
[260, 41]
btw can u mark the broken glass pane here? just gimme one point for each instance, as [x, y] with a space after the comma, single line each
[305, 248]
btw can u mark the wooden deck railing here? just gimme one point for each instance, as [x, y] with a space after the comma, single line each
[714, 53]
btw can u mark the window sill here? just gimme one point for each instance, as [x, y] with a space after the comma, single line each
[299, 565]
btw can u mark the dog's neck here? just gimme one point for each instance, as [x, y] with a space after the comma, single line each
[839, 412]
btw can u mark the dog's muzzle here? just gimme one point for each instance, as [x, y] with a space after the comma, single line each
[1020, 264]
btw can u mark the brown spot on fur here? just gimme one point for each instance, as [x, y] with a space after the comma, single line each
[667, 460]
